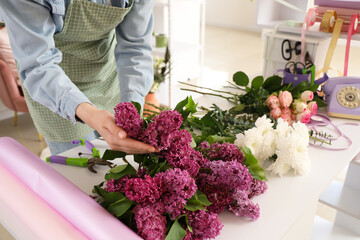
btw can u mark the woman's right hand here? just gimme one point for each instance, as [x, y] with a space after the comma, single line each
[104, 122]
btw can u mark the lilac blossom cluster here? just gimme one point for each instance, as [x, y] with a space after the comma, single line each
[227, 182]
[165, 192]
[225, 151]
[205, 225]
[162, 125]
[128, 118]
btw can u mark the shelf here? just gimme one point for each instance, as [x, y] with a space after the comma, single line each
[343, 198]
[313, 31]
[325, 230]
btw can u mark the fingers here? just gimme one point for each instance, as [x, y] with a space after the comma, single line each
[131, 146]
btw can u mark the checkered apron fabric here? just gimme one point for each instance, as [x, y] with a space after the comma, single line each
[87, 43]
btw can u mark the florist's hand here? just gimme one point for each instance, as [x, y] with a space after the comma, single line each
[104, 122]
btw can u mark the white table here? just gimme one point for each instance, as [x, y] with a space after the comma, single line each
[287, 208]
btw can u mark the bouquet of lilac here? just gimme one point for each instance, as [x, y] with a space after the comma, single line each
[178, 192]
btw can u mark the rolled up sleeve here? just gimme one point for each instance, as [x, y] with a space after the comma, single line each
[133, 52]
[31, 28]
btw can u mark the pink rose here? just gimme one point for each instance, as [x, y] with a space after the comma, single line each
[272, 102]
[304, 117]
[307, 96]
[287, 117]
[286, 111]
[275, 112]
[285, 99]
[299, 106]
[313, 107]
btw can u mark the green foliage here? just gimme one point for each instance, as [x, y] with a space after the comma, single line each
[120, 171]
[197, 202]
[112, 154]
[176, 232]
[138, 106]
[241, 79]
[256, 171]
[119, 207]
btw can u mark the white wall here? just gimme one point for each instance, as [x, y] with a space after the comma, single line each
[238, 14]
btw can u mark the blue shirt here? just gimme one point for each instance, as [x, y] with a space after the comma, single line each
[31, 25]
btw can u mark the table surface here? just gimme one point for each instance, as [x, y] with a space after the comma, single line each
[285, 200]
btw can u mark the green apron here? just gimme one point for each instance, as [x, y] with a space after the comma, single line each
[87, 43]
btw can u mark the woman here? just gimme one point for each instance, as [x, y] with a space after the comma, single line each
[73, 56]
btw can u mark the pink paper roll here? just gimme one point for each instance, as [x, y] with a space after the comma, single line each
[67, 199]
[32, 212]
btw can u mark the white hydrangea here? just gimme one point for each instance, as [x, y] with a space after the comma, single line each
[290, 143]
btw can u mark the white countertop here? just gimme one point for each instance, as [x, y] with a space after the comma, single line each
[280, 207]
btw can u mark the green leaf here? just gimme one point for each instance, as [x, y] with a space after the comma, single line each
[193, 205]
[257, 82]
[138, 106]
[257, 172]
[100, 191]
[120, 207]
[119, 168]
[302, 86]
[120, 171]
[319, 101]
[249, 157]
[241, 79]
[239, 108]
[179, 107]
[111, 198]
[176, 232]
[272, 83]
[112, 154]
[252, 164]
[191, 106]
[216, 138]
[313, 88]
[201, 197]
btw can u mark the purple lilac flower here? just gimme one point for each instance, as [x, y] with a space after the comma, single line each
[127, 117]
[143, 190]
[177, 146]
[225, 151]
[205, 225]
[228, 175]
[257, 187]
[177, 187]
[162, 125]
[150, 222]
[116, 185]
[243, 207]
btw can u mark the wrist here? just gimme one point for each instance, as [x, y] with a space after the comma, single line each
[85, 112]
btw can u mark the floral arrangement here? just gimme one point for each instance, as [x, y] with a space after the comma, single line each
[285, 107]
[288, 143]
[178, 192]
[268, 97]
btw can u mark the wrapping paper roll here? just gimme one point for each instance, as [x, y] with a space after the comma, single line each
[64, 197]
[339, 3]
[35, 215]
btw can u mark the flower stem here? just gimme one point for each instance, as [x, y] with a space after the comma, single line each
[157, 107]
[219, 91]
[212, 94]
[319, 140]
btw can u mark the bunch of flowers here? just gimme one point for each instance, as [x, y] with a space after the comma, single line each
[284, 107]
[179, 186]
[289, 143]
[227, 182]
